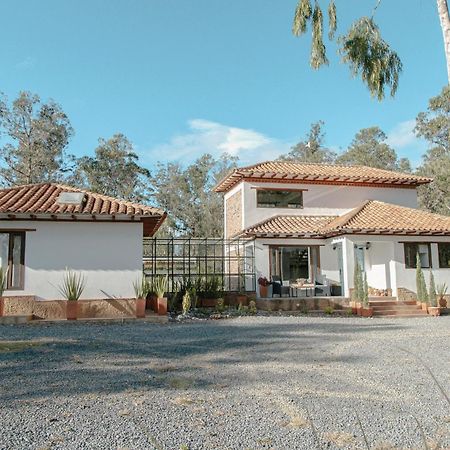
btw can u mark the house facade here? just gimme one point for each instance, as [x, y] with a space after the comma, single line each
[48, 228]
[311, 222]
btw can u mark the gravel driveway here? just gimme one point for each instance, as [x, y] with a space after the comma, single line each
[244, 383]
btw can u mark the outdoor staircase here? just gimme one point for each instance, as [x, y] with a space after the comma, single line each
[389, 307]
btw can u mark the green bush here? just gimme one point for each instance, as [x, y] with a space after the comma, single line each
[186, 303]
[432, 292]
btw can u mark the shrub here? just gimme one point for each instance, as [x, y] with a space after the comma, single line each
[365, 299]
[220, 305]
[422, 294]
[441, 289]
[186, 303]
[160, 285]
[72, 286]
[328, 310]
[252, 307]
[358, 284]
[432, 291]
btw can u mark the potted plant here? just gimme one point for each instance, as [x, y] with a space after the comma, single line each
[264, 284]
[71, 289]
[141, 290]
[160, 286]
[241, 297]
[358, 290]
[211, 290]
[366, 311]
[441, 290]
[3, 273]
[187, 303]
[434, 309]
[422, 294]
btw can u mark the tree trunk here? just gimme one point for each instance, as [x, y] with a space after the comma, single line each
[444, 16]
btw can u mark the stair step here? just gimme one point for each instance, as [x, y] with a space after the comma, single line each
[397, 312]
[400, 316]
[400, 307]
[392, 303]
[382, 298]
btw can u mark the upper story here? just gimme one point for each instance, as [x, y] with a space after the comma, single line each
[256, 193]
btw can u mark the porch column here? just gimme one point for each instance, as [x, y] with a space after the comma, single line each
[348, 260]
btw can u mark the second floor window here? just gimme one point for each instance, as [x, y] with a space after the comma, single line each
[266, 198]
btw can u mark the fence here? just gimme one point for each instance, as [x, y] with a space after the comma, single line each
[231, 261]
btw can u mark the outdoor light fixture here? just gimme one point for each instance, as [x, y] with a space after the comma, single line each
[368, 245]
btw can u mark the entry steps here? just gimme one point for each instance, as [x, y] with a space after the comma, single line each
[389, 307]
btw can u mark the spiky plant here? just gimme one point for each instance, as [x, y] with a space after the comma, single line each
[160, 285]
[72, 286]
[432, 291]
[141, 287]
[186, 303]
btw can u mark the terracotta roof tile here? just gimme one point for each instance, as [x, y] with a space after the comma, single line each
[312, 173]
[372, 217]
[34, 199]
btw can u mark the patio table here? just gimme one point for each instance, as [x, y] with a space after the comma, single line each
[308, 287]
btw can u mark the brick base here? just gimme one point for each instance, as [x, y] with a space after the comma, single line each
[302, 304]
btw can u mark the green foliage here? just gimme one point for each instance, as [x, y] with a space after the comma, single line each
[328, 310]
[432, 291]
[37, 135]
[160, 285]
[72, 286]
[441, 290]
[210, 287]
[365, 292]
[114, 171]
[252, 309]
[371, 58]
[186, 193]
[186, 303]
[220, 305]
[311, 149]
[422, 294]
[434, 126]
[362, 48]
[3, 279]
[141, 287]
[369, 148]
[358, 283]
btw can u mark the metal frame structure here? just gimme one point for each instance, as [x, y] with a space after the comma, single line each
[233, 261]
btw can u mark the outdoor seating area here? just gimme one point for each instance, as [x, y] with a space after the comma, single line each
[301, 288]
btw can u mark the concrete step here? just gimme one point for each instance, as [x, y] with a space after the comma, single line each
[388, 299]
[395, 306]
[15, 320]
[401, 316]
[391, 303]
[399, 312]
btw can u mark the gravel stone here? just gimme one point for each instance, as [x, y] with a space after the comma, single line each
[258, 382]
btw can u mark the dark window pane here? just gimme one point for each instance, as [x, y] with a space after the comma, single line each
[279, 199]
[444, 255]
[411, 250]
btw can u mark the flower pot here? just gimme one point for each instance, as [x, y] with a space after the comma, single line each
[263, 291]
[72, 309]
[242, 299]
[151, 302]
[209, 302]
[442, 302]
[359, 309]
[434, 311]
[353, 307]
[2, 306]
[419, 303]
[424, 306]
[366, 312]
[140, 307]
[161, 306]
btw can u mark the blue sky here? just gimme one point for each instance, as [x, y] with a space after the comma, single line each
[182, 77]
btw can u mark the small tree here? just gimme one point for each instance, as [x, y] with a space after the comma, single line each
[432, 291]
[358, 284]
[422, 294]
[365, 291]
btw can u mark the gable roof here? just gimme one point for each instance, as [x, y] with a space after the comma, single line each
[372, 217]
[290, 172]
[40, 201]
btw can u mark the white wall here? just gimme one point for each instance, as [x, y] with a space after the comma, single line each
[109, 255]
[321, 199]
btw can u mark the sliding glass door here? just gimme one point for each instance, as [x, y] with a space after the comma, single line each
[291, 263]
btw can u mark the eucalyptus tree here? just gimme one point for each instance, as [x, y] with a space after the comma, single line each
[35, 136]
[362, 47]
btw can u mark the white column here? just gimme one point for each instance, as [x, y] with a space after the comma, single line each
[348, 260]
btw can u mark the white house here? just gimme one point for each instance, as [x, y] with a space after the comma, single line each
[46, 228]
[312, 221]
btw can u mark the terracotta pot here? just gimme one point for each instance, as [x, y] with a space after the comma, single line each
[443, 302]
[359, 309]
[2, 306]
[419, 303]
[434, 311]
[242, 299]
[161, 306]
[209, 302]
[263, 291]
[424, 306]
[367, 312]
[353, 307]
[71, 309]
[140, 307]
[151, 302]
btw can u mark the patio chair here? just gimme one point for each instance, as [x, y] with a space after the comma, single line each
[322, 289]
[278, 288]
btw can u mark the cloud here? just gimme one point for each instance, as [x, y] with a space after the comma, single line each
[28, 63]
[205, 136]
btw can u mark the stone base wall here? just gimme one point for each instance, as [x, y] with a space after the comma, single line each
[303, 304]
[404, 295]
[56, 309]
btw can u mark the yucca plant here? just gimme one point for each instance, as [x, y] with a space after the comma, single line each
[141, 287]
[72, 286]
[160, 285]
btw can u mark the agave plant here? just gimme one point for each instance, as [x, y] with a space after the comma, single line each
[141, 287]
[72, 286]
[160, 285]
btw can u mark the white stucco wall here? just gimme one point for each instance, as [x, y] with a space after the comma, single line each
[320, 199]
[109, 255]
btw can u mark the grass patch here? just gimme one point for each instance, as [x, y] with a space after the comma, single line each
[18, 346]
[339, 438]
[180, 383]
[298, 422]
[183, 401]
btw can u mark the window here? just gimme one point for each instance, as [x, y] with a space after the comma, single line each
[444, 255]
[411, 251]
[12, 252]
[290, 263]
[267, 198]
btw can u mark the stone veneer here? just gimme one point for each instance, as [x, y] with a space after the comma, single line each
[56, 309]
[233, 214]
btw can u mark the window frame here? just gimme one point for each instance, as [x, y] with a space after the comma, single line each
[9, 278]
[439, 244]
[414, 266]
[264, 189]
